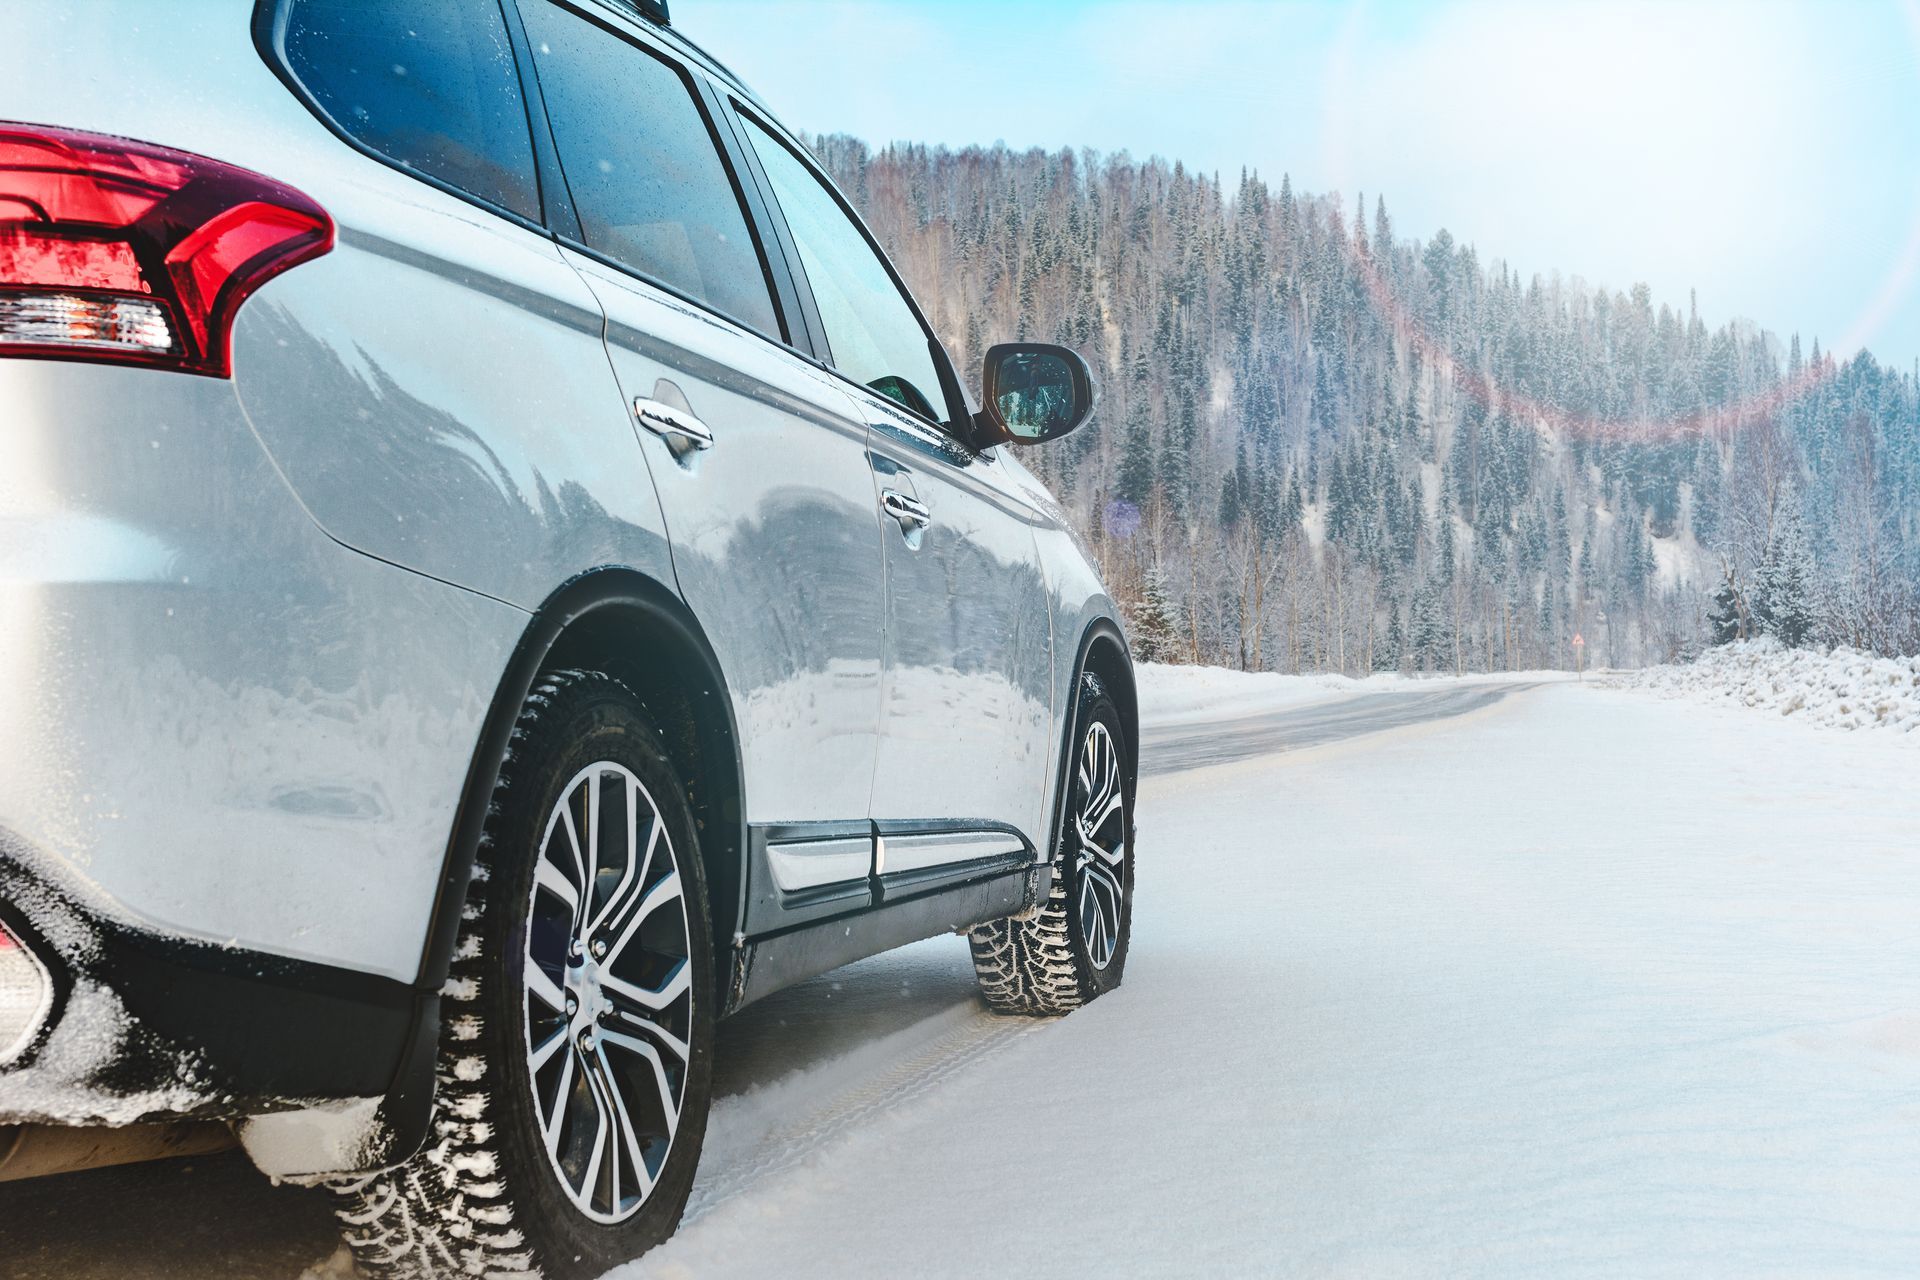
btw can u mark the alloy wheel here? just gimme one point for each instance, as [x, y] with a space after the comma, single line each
[1101, 845]
[609, 992]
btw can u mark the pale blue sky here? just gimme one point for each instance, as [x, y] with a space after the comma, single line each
[1766, 152]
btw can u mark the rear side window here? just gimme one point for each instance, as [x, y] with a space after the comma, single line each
[429, 84]
[646, 178]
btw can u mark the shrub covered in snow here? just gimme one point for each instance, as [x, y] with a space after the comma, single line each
[1842, 688]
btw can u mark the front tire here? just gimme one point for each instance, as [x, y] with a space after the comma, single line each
[576, 1047]
[1074, 948]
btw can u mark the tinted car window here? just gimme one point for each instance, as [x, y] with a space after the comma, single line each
[424, 82]
[876, 338]
[647, 181]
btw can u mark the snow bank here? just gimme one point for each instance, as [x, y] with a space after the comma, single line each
[1189, 695]
[1842, 689]
[1178, 695]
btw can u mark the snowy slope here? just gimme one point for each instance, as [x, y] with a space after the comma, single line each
[1586, 984]
[1842, 689]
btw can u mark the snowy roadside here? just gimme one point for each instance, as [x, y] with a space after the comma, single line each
[1841, 689]
[1179, 695]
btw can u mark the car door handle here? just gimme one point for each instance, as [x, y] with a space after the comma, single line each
[677, 427]
[910, 512]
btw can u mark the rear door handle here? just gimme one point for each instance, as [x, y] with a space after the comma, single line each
[679, 428]
[910, 512]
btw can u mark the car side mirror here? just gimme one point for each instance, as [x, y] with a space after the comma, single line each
[1034, 391]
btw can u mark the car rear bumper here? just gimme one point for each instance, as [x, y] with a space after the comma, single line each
[144, 1026]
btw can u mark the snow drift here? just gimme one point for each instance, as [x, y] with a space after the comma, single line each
[1842, 688]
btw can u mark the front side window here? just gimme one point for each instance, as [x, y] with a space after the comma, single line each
[647, 181]
[427, 84]
[876, 338]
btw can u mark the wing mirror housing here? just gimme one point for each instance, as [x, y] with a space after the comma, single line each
[1034, 392]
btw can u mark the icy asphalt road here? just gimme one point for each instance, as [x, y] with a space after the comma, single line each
[1192, 744]
[1580, 983]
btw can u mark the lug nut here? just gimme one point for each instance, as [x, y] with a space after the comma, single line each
[599, 948]
[573, 1006]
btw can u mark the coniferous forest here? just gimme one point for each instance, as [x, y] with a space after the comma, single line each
[1325, 445]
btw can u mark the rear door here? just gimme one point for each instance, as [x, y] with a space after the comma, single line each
[759, 463]
[966, 715]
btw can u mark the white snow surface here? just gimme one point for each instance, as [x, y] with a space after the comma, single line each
[1582, 984]
[1182, 695]
[1839, 688]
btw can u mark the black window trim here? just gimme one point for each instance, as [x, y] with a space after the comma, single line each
[781, 286]
[960, 428]
[269, 32]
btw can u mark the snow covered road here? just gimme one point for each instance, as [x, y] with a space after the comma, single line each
[1568, 982]
[1582, 984]
[1169, 748]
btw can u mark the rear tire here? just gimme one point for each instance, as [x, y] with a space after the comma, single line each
[575, 1064]
[1074, 948]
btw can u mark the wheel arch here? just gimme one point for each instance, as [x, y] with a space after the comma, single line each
[1104, 653]
[637, 630]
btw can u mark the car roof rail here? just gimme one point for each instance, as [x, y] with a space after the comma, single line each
[652, 10]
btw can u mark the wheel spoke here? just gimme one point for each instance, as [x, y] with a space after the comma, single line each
[641, 1049]
[1106, 890]
[1099, 913]
[592, 1175]
[633, 1022]
[633, 871]
[554, 881]
[553, 1044]
[654, 1000]
[618, 912]
[624, 1123]
[556, 1118]
[1092, 850]
[581, 874]
[545, 989]
[1097, 818]
[668, 890]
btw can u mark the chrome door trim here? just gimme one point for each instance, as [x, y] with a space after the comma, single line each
[811, 864]
[922, 850]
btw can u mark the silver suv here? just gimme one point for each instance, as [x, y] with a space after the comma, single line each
[496, 573]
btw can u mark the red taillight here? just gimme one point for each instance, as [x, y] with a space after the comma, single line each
[117, 250]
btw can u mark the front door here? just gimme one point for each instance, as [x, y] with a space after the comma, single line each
[966, 712]
[960, 784]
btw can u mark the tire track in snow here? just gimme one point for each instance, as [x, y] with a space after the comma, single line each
[916, 1073]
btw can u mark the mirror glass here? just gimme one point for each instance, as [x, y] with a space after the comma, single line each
[1034, 393]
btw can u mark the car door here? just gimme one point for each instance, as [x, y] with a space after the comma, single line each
[966, 715]
[759, 464]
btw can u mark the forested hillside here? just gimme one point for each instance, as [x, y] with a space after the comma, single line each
[1325, 446]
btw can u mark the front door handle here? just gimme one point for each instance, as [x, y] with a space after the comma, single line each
[910, 512]
[678, 427]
